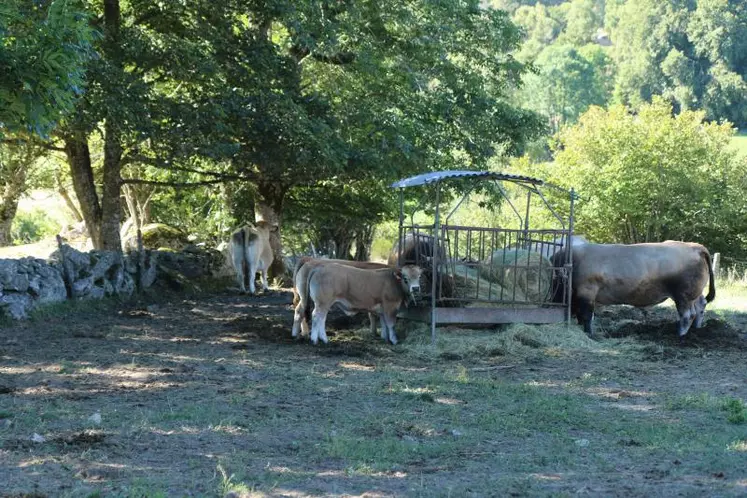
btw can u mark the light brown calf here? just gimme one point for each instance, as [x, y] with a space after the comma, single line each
[380, 291]
[301, 273]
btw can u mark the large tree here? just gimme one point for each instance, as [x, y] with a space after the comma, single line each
[370, 91]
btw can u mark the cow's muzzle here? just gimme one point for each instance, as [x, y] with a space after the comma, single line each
[413, 296]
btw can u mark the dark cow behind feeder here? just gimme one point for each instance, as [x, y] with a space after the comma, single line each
[640, 275]
[380, 291]
[418, 249]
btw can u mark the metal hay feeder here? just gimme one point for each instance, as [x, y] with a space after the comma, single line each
[475, 274]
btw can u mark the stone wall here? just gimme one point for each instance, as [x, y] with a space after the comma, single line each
[30, 282]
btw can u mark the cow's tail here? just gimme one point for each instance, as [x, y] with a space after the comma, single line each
[307, 295]
[712, 286]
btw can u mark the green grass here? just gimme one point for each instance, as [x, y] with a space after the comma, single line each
[518, 410]
[739, 142]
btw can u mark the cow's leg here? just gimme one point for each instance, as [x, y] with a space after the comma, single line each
[299, 320]
[265, 287]
[318, 323]
[384, 328]
[252, 277]
[389, 319]
[586, 315]
[372, 320]
[237, 257]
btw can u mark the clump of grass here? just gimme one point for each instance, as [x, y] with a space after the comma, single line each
[701, 401]
[736, 410]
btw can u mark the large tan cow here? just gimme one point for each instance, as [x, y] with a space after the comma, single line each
[641, 275]
[380, 291]
[301, 273]
[251, 252]
[548, 250]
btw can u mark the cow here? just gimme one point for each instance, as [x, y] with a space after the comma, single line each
[640, 275]
[549, 249]
[301, 272]
[381, 291]
[251, 252]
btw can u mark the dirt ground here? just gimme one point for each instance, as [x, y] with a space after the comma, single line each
[210, 396]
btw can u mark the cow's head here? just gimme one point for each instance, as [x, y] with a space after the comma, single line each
[409, 277]
[698, 311]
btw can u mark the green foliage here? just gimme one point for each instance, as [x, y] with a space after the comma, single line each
[736, 410]
[43, 50]
[651, 176]
[692, 53]
[567, 83]
[33, 226]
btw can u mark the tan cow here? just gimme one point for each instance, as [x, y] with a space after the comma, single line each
[251, 252]
[380, 291]
[300, 280]
[641, 275]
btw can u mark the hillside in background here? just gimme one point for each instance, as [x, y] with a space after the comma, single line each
[597, 52]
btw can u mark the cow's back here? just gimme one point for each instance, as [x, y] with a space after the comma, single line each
[359, 288]
[638, 274]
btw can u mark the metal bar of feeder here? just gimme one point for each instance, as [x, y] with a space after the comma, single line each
[569, 257]
[434, 263]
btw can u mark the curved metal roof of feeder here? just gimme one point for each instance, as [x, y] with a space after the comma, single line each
[437, 176]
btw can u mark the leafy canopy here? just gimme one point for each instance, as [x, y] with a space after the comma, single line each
[43, 50]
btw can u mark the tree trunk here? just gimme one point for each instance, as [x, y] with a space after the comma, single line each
[363, 241]
[111, 207]
[15, 184]
[269, 208]
[68, 200]
[8, 209]
[79, 158]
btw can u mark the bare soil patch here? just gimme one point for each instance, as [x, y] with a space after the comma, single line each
[208, 395]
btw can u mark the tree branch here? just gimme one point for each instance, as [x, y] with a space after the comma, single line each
[163, 164]
[138, 181]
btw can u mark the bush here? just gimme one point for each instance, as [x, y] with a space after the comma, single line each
[32, 226]
[652, 176]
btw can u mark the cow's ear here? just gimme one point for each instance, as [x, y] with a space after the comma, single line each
[398, 275]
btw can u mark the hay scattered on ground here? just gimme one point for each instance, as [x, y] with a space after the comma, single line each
[515, 341]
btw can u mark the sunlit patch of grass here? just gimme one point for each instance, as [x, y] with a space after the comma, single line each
[740, 445]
